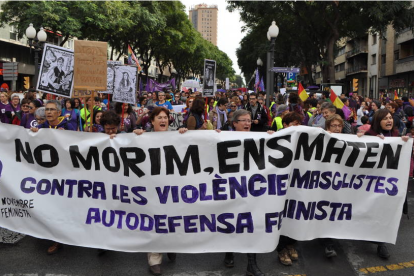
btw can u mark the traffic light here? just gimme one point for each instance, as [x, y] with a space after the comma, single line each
[355, 85]
[27, 82]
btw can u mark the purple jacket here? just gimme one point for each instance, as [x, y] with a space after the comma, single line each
[63, 123]
[28, 121]
[5, 113]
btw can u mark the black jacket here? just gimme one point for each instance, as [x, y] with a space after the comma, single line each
[260, 115]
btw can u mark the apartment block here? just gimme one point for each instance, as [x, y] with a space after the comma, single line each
[205, 20]
[397, 63]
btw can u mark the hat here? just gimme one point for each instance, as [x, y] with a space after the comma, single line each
[281, 108]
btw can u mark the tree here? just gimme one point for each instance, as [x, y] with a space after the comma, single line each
[319, 24]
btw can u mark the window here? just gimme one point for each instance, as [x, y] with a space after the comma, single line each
[341, 51]
[374, 59]
[374, 39]
[13, 33]
[340, 67]
[383, 60]
[396, 55]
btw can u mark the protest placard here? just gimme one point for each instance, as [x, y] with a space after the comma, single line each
[125, 84]
[201, 191]
[209, 81]
[90, 65]
[110, 76]
[56, 71]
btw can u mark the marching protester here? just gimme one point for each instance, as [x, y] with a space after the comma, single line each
[128, 117]
[29, 119]
[218, 114]
[195, 119]
[160, 120]
[241, 121]
[258, 114]
[53, 120]
[85, 113]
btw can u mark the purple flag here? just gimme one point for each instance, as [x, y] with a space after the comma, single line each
[257, 81]
[262, 85]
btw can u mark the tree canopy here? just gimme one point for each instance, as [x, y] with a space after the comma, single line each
[154, 29]
[309, 30]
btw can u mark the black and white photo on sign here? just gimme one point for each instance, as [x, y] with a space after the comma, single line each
[110, 76]
[209, 78]
[56, 71]
[125, 84]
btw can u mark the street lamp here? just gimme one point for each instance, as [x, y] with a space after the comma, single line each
[36, 41]
[259, 62]
[272, 33]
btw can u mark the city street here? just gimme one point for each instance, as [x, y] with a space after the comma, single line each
[29, 257]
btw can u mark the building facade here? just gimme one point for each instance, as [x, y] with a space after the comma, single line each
[204, 19]
[397, 63]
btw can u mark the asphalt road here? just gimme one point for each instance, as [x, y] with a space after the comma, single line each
[28, 257]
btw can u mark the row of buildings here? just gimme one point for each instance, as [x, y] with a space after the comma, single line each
[382, 66]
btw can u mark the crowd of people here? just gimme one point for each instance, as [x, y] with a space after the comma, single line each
[231, 111]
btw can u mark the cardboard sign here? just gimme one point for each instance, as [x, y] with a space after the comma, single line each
[90, 65]
[82, 94]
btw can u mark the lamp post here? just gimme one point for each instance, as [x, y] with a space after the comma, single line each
[36, 40]
[272, 33]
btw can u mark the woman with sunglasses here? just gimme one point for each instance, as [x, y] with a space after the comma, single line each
[29, 119]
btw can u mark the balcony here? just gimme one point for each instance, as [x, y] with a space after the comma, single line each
[356, 70]
[357, 51]
[405, 64]
[405, 36]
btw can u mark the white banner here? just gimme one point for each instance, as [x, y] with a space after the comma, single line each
[201, 191]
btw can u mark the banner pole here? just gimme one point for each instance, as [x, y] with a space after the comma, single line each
[91, 117]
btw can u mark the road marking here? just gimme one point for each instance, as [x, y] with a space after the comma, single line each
[391, 267]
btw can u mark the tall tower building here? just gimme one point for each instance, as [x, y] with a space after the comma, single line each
[204, 19]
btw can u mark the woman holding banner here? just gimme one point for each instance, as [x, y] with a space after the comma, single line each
[241, 121]
[383, 126]
[160, 120]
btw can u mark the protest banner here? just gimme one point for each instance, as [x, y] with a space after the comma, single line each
[90, 65]
[125, 84]
[201, 191]
[110, 76]
[56, 71]
[209, 81]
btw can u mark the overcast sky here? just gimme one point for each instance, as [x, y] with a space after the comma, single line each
[228, 28]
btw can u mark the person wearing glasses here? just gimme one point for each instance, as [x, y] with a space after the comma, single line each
[162, 102]
[29, 119]
[233, 107]
[241, 121]
[53, 120]
[334, 124]
[53, 110]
